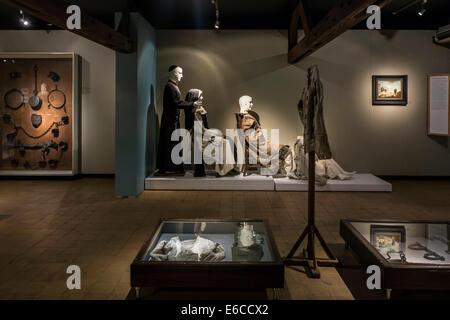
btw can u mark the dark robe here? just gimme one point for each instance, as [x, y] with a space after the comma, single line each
[189, 115]
[189, 119]
[170, 121]
[310, 109]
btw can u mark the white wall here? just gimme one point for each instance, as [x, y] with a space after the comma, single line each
[385, 140]
[98, 90]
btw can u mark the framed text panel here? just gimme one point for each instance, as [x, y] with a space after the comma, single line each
[438, 104]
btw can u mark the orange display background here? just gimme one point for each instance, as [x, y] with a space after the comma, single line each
[22, 116]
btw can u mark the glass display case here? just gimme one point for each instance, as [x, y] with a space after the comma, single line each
[39, 114]
[211, 241]
[412, 255]
[209, 254]
[414, 243]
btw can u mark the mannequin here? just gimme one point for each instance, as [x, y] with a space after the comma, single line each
[222, 143]
[250, 120]
[246, 104]
[196, 114]
[170, 121]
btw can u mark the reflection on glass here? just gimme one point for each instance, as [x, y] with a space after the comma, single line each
[210, 242]
[414, 243]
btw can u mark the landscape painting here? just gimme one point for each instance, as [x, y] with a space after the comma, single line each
[389, 90]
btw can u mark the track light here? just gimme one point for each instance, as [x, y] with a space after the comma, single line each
[420, 13]
[422, 10]
[23, 20]
[216, 4]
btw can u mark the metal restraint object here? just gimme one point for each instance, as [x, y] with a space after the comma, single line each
[429, 255]
[61, 106]
[17, 107]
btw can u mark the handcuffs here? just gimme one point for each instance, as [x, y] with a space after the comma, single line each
[402, 256]
[429, 255]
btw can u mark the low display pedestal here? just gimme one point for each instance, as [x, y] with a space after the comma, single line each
[239, 182]
[256, 182]
[359, 183]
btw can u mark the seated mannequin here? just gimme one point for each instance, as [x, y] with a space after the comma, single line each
[247, 120]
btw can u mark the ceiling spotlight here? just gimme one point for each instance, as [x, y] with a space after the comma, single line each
[23, 20]
[422, 10]
[216, 4]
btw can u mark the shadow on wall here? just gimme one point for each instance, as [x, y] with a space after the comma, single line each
[152, 135]
[262, 67]
[442, 141]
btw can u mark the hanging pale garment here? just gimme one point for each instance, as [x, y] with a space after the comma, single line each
[325, 169]
[332, 170]
[199, 249]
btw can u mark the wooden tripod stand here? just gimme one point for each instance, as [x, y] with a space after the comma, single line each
[309, 260]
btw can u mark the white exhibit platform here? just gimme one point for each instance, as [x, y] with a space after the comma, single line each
[359, 183]
[255, 182]
[252, 182]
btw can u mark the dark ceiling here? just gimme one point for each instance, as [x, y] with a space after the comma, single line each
[239, 14]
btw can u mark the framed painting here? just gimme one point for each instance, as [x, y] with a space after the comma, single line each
[390, 90]
[388, 239]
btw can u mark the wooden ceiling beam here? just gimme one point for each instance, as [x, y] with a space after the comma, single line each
[54, 12]
[345, 15]
[299, 14]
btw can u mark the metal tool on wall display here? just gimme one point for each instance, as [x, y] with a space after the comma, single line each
[8, 120]
[36, 120]
[35, 101]
[18, 106]
[54, 76]
[15, 163]
[61, 105]
[44, 147]
[15, 75]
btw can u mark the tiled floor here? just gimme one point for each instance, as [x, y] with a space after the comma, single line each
[45, 226]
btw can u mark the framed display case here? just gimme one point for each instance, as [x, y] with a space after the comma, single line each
[209, 254]
[412, 255]
[39, 114]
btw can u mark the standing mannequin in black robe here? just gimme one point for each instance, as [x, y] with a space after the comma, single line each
[170, 121]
